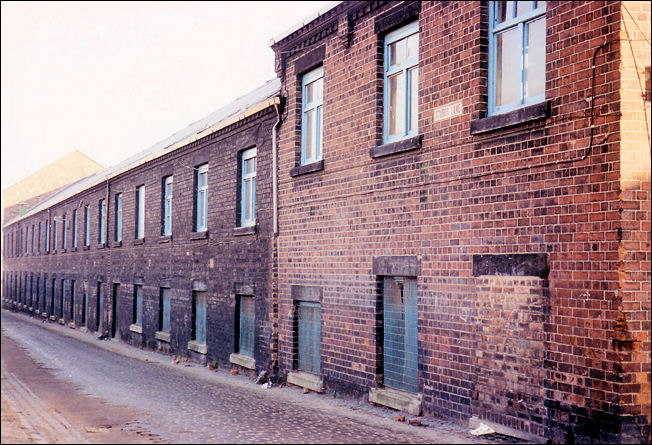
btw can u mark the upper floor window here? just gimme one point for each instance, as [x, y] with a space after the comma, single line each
[248, 187]
[312, 97]
[39, 237]
[56, 233]
[201, 198]
[118, 217]
[166, 223]
[74, 229]
[140, 212]
[401, 99]
[102, 221]
[64, 231]
[87, 224]
[47, 235]
[517, 54]
[32, 246]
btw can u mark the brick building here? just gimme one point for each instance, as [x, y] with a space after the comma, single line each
[170, 249]
[464, 212]
[456, 223]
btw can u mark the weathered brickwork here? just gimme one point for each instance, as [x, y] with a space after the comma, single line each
[224, 263]
[547, 180]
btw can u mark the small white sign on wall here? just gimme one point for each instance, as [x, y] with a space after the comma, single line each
[447, 111]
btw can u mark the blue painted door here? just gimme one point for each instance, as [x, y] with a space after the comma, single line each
[400, 333]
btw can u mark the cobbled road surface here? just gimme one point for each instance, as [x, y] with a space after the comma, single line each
[143, 396]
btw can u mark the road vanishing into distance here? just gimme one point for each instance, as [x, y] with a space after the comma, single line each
[61, 385]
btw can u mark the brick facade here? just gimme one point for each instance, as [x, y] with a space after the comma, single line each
[565, 357]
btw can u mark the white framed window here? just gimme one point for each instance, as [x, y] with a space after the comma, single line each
[166, 230]
[118, 217]
[87, 225]
[248, 188]
[312, 98]
[140, 212]
[102, 221]
[74, 229]
[517, 54]
[201, 200]
[401, 77]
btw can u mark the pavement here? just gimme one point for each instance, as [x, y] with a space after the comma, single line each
[18, 424]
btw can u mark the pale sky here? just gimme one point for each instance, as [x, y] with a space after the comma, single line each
[111, 79]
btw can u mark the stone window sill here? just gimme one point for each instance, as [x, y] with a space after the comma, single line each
[201, 348]
[116, 244]
[139, 241]
[101, 245]
[199, 235]
[164, 239]
[163, 336]
[395, 399]
[247, 230]
[307, 168]
[74, 249]
[136, 328]
[506, 120]
[86, 248]
[408, 144]
[243, 360]
[306, 380]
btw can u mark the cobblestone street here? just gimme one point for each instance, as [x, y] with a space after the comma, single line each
[109, 392]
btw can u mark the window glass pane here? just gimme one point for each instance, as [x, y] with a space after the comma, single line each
[319, 89]
[310, 93]
[310, 134]
[397, 52]
[247, 320]
[413, 46]
[396, 104]
[165, 322]
[414, 98]
[139, 305]
[504, 11]
[523, 7]
[248, 197]
[508, 67]
[535, 58]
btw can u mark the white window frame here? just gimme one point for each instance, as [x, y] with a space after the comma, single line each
[140, 212]
[520, 23]
[316, 106]
[167, 205]
[403, 68]
[201, 202]
[248, 181]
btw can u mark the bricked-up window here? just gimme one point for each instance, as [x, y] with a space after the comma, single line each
[401, 95]
[74, 229]
[64, 227]
[248, 188]
[138, 305]
[118, 217]
[245, 325]
[140, 212]
[102, 222]
[307, 332]
[517, 54]
[312, 99]
[199, 316]
[166, 220]
[87, 225]
[164, 310]
[201, 198]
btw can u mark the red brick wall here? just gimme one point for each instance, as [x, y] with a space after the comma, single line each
[550, 186]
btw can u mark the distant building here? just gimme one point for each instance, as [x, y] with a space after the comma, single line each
[17, 199]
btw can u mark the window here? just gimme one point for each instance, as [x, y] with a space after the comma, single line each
[118, 217]
[164, 310]
[52, 296]
[98, 308]
[114, 311]
[64, 227]
[201, 199]
[245, 325]
[517, 54]
[401, 100]
[56, 234]
[199, 316]
[72, 300]
[312, 96]
[39, 237]
[248, 186]
[400, 333]
[166, 223]
[62, 300]
[138, 305]
[33, 232]
[308, 335]
[84, 311]
[74, 229]
[102, 222]
[87, 225]
[140, 212]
